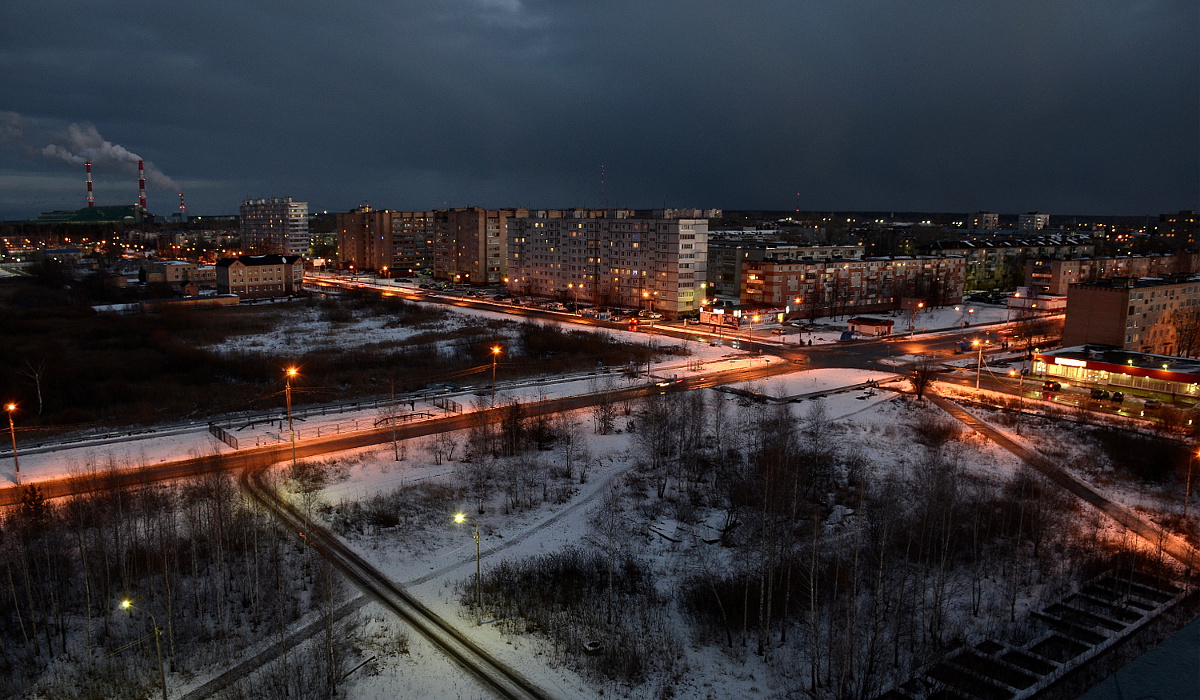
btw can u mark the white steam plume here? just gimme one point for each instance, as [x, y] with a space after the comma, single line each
[84, 143]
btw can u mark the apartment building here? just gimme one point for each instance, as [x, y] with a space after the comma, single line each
[1033, 221]
[260, 276]
[983, 221]
[998, 262]
[1054, 277]
[1145, 315]
[618, 259]
[276, 225]
[726, 255]
[470, 245]
[412, 241]
[851, 286]
[364, 239]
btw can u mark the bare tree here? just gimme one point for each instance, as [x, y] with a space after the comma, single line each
[1186, 324]
[921, 373]
[35, 373]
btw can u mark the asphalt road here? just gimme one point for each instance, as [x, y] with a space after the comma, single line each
[262, 456]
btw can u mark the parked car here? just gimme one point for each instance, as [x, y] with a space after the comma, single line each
[1100, 394]
[1051, 386]
[1152, 404]
[1118, 397]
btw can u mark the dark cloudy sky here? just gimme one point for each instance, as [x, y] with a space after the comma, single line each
[1088, 106]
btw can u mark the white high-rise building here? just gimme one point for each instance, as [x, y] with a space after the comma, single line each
[276, 225]
[643, 263]
[1033, 221]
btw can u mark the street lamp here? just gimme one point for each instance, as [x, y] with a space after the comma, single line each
[162, 676]
[288, 374]
[575, 287]
[10, 407]
[461, 518]
[979, 362]
[912, 319]
[753, 320]
[495, 356]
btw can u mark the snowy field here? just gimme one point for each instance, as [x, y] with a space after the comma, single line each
[435, 559]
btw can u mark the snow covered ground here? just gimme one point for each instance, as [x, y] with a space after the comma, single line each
[432, 559]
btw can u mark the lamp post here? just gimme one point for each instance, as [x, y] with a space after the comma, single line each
[287, 378]
[979, 362]
[461, 518]
[575, 288]
[162, 676]
[12, 431]
[912, 319]
[495, 356]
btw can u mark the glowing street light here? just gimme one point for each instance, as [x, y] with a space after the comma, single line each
[912, 318]
[572, 285]
[12, 431]
[496, 349]
[162, 677]
[288, 374]
[979, 362]
[461, 518]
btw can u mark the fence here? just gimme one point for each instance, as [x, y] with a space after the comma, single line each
[447, 405]
[221, 434]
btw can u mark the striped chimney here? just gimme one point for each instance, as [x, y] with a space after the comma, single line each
[91, 197]
[142, 184]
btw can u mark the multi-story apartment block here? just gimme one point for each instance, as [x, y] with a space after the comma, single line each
[470, 245]
[276, 225]
[849, 286]
[1054, 277]
[1143, 315]
[1033, 221]
[999, 262]
[1177, 230]
[260, 276]
[364, 239]
[412, 241]
[983, 221]
[727, 255]
[650, 263]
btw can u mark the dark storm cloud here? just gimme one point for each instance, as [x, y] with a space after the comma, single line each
[1013, 106]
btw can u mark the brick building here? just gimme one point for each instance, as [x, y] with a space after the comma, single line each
[1148, 315]
[364, 239]
[1054, 277]
[726, 256]
[998, 262]
[260, 276]
[841, 286]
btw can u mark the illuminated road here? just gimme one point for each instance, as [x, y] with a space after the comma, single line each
[261, 456]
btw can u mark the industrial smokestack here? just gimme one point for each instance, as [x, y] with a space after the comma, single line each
[142, 184]
[182, 210]
[91, 198]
